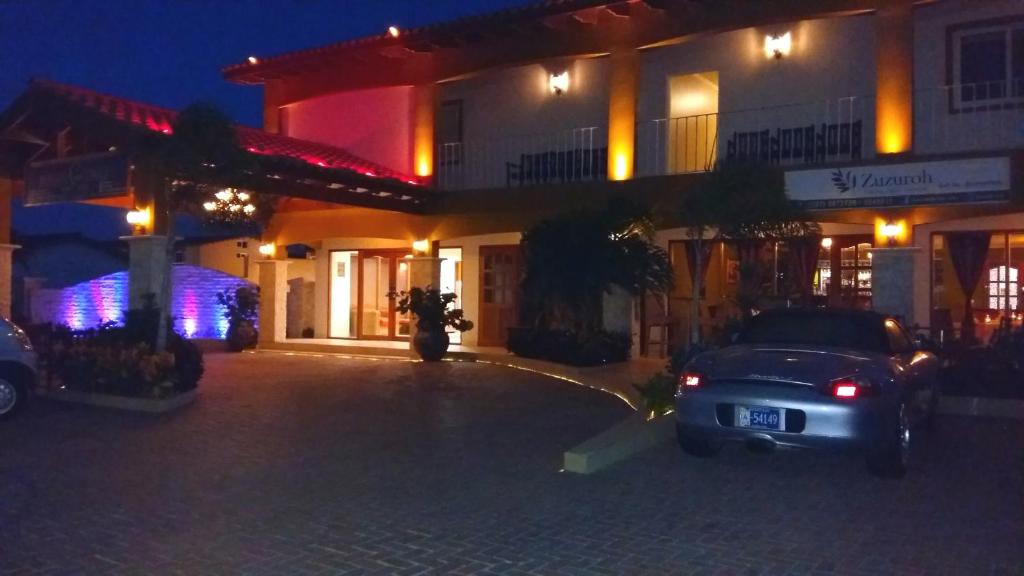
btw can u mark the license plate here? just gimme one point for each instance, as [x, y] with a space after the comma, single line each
[760, 417]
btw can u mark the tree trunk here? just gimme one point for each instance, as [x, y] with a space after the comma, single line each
[698, 282]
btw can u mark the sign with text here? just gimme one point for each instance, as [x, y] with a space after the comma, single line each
[911, 184]
[76, 179]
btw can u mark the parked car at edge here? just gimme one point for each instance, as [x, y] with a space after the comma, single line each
[17, 369]
[811, 378]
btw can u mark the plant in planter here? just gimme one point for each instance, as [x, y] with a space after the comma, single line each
[240, 310]
[434, 313]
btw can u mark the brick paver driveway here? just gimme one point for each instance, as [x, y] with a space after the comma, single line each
[292, 464]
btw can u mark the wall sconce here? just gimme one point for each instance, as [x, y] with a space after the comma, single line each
[421, 247]
[891, 231]
[268, 250]
[139, 219]
[826, 243]
[778, 46]
[559, 83]
[394, 32]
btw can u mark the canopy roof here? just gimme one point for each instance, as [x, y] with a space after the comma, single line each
[32, 125]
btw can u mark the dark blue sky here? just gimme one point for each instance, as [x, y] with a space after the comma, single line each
[170, 52]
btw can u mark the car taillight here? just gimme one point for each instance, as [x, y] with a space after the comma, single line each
[851, 388]
[689, 380]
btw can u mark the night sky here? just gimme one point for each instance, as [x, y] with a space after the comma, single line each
[170, 52]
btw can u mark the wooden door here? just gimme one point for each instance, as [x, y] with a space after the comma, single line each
[499, 293]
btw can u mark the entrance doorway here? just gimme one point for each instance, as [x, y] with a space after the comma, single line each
[499, 293]
[359, 301]
[844, 271]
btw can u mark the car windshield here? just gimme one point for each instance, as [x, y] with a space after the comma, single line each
[810, 329]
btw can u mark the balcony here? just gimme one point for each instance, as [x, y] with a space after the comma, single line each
[840, 130]
[573, 155]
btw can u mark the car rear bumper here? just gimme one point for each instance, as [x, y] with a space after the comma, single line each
[810, 419]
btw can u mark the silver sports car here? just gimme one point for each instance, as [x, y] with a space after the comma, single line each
[811, 378]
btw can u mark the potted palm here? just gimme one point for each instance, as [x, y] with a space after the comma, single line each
[434, 314]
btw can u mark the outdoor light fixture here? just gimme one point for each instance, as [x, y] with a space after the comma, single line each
[421, 246]
[393, 31]
[254, 60]
[267, 250]
[891, 231]
[229, 204]
[139, 219]
[559, 83]
[778, 46]
[826, 243]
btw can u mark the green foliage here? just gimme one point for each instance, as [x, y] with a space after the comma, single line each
[433, 309]
[658, 393]
[572, 260]
[241, 310]
[567, 347]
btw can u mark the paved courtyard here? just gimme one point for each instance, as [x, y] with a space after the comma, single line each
[296, 464]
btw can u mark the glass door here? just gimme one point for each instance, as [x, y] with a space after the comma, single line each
[382, 272]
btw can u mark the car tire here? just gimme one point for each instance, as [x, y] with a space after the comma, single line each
[13, 395]
[890, 459]
[697, 447]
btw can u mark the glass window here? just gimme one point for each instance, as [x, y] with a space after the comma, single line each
[816, 328]
[989, 63]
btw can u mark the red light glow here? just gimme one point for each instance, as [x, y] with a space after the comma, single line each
[845, 391]
[692, 379]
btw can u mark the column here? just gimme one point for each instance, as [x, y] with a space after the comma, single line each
[424, 271]
[273, 321]
[6, 248]
[147, 265]
[894, 62]
[424, 110]
[622, 93]
[892, 281]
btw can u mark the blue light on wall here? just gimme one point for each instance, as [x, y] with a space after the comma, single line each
[194, 304]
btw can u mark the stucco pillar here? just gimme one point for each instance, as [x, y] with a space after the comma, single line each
[892, 281]
[894, 62]
[622, 95]
[424, 271]
[6, 269]
[147, 264]
[424, 111]
[273, 321]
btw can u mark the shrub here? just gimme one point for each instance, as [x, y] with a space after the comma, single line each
[567, 347]
[241, 310]
[659, 393]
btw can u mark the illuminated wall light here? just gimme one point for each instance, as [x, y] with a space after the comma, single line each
[394, 32]
[559, 83]
[778, 46]
[254, 60]
[621, 168]
[890, 232]
[139, 219]
[268, 249]
[421, 247]
[826, 243]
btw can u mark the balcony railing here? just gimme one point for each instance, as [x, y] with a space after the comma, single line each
[572, 155]
[969, 118]
[807, 133]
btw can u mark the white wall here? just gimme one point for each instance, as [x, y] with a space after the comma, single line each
[936, 129]
[223, 256]
[831, 60]
[511, 111]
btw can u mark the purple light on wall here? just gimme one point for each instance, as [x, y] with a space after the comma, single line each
[194, 304]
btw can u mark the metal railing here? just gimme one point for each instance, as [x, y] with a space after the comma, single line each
[571, 155]
[833, 130]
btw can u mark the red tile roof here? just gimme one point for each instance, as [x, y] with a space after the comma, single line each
[255, 141]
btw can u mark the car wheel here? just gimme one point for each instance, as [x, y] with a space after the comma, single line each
[698, 447]
[890, 459]
[12, 398]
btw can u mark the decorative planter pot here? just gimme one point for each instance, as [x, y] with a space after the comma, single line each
[241, 336]
[430, 345]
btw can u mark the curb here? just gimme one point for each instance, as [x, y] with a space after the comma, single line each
[631, 436]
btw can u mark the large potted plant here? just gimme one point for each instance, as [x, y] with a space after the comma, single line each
[241, 310]
[434, 314]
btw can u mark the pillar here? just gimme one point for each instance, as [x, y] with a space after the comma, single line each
[147, 265]
[892, 281]
[31, 287]
[424, 110]
[273, 319]
[622, 95]
[272, 109]
[894, 63]
[6, 248]
[424, 271]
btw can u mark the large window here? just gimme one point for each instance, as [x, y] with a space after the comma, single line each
[988, 64]
[1003, 288]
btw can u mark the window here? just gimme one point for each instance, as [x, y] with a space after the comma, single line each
[988, 64]
[449, 133]
[1003, 288]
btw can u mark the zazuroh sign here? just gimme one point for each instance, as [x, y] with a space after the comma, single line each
[76, 179]
[911, 184]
